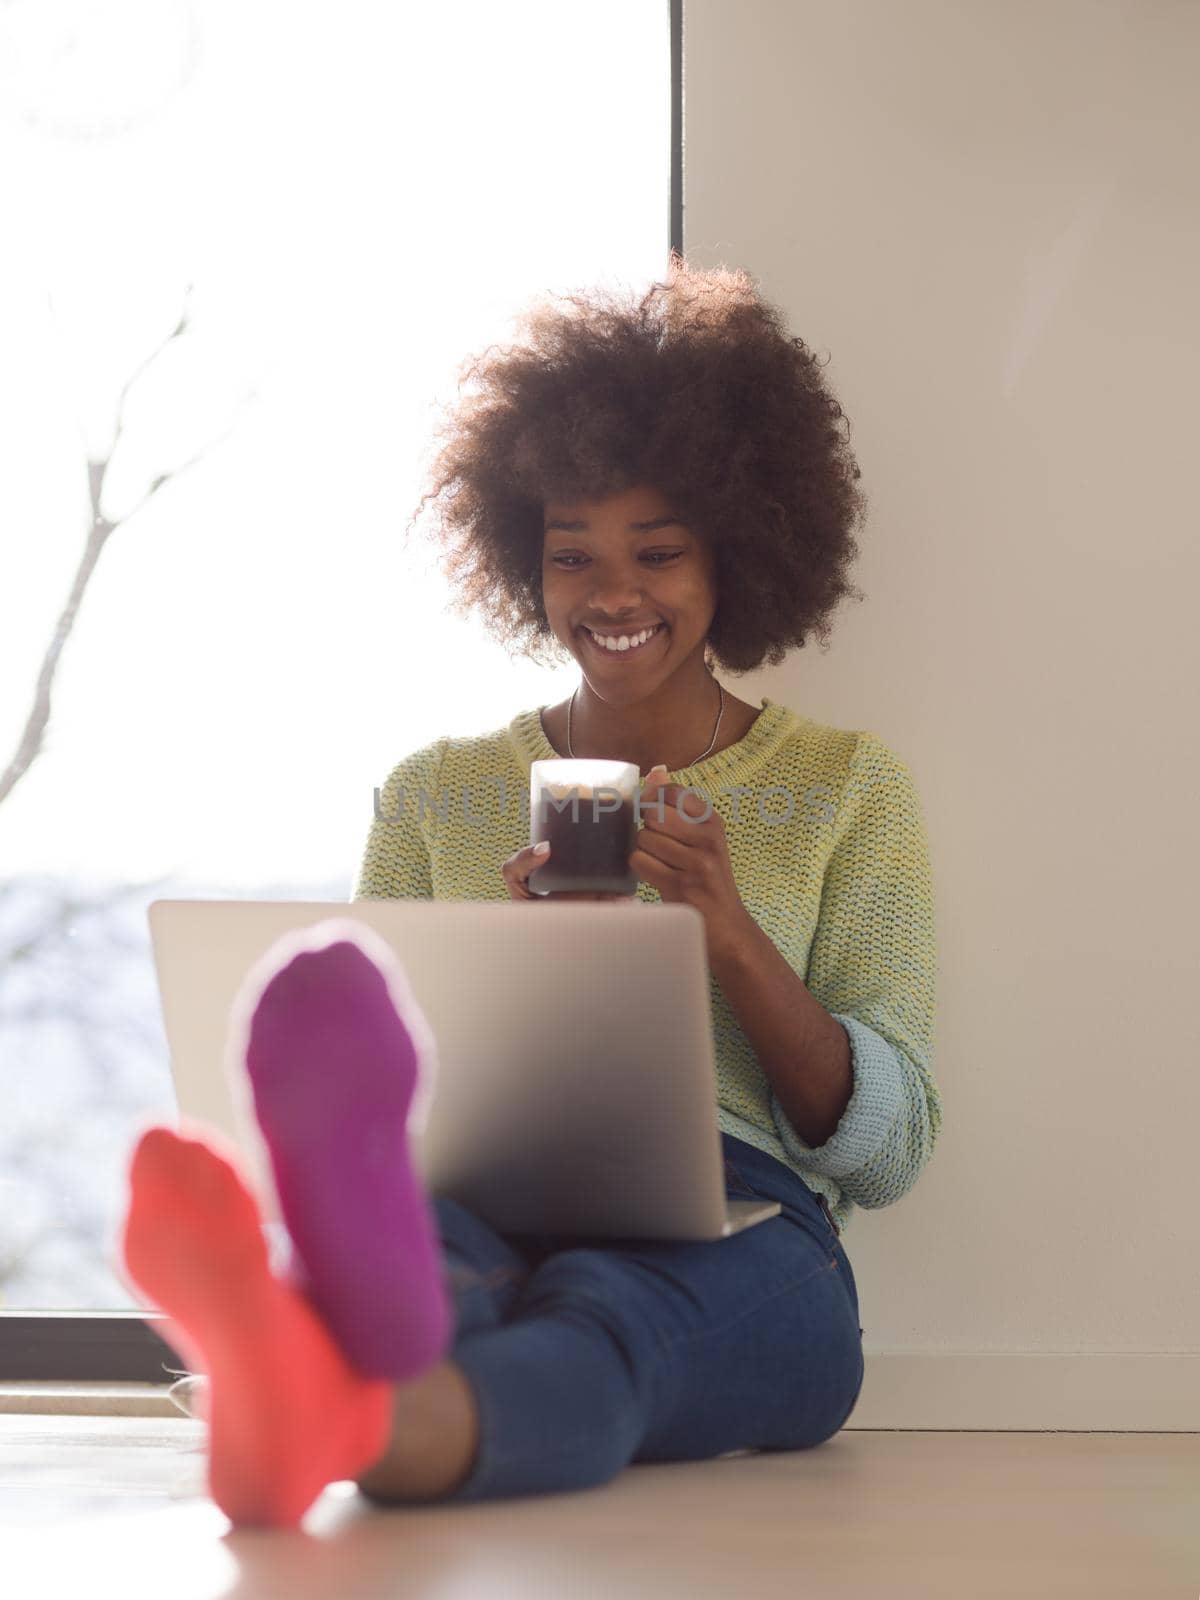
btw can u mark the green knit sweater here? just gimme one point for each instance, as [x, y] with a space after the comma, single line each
[828, 848]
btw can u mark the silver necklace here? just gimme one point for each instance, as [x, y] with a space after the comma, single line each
[711, 743]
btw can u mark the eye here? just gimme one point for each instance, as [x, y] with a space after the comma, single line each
[569, 561]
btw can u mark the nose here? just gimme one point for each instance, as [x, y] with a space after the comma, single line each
[616, 594]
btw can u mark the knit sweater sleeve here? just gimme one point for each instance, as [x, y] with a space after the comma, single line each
[872, 965]
[395, 859]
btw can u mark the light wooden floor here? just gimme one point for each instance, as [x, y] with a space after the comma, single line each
[96, 1506]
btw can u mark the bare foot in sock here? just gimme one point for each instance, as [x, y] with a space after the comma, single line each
[335, 1048]
[287, 1413]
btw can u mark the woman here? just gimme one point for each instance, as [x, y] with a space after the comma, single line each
[657, 489]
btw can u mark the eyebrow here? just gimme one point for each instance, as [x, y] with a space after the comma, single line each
[634, 527]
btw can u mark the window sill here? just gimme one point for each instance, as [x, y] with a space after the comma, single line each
[59, 1397]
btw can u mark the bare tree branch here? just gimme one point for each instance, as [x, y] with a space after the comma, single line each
[30, 742]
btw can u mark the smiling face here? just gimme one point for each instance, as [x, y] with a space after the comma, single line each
[616, 568]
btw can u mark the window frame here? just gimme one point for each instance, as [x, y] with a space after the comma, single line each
[86, 1346]
[125, 1345]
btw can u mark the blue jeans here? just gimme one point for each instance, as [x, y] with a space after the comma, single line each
[587, 1355]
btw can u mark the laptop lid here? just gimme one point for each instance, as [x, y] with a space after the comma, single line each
[573, 1087]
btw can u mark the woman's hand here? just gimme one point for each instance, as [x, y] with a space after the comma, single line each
[516, 871]
[688, 862]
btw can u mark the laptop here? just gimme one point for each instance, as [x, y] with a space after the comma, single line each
[572, 1089]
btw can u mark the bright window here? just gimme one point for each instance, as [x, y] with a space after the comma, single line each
[359, 197]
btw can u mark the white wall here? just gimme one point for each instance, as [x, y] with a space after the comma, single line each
[986, 213]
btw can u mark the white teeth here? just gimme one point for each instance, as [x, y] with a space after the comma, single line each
[624, 641]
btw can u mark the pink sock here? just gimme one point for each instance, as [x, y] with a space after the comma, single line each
[335, 1048]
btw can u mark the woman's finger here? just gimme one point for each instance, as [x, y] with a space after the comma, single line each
[517, 869]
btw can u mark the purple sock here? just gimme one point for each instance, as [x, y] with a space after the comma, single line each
[336, 1048]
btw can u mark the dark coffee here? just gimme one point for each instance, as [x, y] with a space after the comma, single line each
[590, 838]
